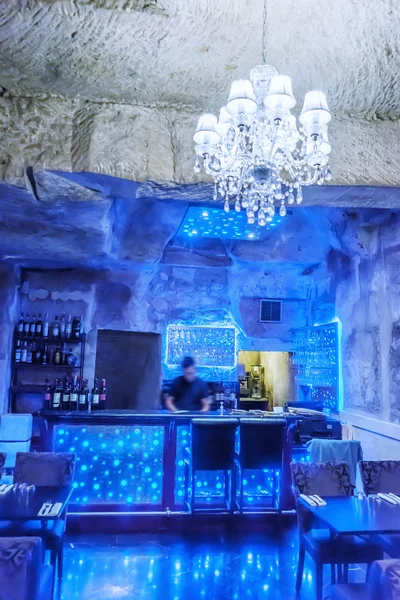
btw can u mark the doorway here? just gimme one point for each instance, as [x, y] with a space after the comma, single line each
[131, 363]
[275, 380]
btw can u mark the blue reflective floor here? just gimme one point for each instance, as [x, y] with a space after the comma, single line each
[166, 567]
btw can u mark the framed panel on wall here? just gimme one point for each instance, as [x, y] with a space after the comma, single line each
[209, 346]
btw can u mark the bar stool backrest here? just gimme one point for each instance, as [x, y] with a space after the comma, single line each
[262, 443]
[3, 457]
[55, 469]
[380, 476]
[20, 563]
[384, 580]
[213, 444]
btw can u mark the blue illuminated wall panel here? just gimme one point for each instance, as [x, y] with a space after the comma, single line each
[209, 346]
[115, 465]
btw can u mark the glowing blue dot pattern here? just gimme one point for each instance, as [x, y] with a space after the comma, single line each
[259, 486]
[203, 222]
[209, 346]
[115, 465]
[318, 362]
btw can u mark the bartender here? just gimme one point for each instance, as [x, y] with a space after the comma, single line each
[188, 392]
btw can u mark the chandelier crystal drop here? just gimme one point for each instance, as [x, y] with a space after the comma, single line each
[256, 154]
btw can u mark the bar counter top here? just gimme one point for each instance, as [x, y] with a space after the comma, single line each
[132, 415]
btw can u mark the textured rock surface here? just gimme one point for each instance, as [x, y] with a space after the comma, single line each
[116, 86]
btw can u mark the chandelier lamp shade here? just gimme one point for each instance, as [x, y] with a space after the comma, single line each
[257, 154]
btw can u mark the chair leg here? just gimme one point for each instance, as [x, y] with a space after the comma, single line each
[368, 571]
[345, 573]
[333, 574]
[60, 557]
[300, 567]
[241, 491]
[193, 490]
[319, 582]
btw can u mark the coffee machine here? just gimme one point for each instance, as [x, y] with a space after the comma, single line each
[257, 382]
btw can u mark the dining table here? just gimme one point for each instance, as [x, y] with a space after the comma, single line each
[353, 515]
[40, 504]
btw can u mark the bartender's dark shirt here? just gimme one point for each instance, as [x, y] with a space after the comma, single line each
[188, 394]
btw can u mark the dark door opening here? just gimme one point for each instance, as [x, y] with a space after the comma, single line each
[131, 363]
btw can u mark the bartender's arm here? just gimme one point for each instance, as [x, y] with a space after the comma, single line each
[170, 404]
[205, 403]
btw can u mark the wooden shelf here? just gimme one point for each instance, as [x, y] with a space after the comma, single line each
[48, 366]
[49, 340]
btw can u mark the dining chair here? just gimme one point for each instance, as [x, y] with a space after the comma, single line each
[23, 575]
[383, 584]
[326, 479]
[383, 476]
[43, 469]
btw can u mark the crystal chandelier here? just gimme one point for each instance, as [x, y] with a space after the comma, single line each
[255, 153]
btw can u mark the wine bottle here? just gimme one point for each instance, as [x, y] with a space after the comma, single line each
[32, 326]
[62, 327]
[64, 354]
[56, 403]
[24, 352]
[39, 326]
[68, 328]
[103, 395]
[77, 328]
[18, 351]
[57, 356]
[56, 328]
[84, 396]
[29, 354]
[21, 324]
[95, 395]
[38, 355]
[46, 326]
[71, 359]
[65, 400]
[26, 326]
[47, 396]
[74, 395]
[45, 355]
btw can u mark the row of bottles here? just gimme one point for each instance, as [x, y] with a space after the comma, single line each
[60, 328]
[41, 354]
[71, 395]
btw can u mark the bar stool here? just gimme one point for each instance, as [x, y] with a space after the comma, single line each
[262, 443]
[212, 449]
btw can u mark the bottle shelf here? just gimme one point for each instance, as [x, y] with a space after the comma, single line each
[48, 366]
[50, 340]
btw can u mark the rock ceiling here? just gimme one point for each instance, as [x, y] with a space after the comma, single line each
[115, 86]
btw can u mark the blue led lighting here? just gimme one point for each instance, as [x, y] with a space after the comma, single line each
[100, 477]
[209, 346]
[200, 222]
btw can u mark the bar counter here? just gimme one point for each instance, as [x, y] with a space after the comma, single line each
[134, 461]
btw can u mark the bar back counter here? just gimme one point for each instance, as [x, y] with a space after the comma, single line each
[139, 462]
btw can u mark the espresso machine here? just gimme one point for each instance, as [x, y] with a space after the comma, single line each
[257, 382]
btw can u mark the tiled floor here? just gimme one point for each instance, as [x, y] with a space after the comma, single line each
[196, 567]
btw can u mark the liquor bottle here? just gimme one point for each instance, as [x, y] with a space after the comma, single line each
[77, 328]
[74, 395]
[46, 326]
[24, 352]
[37, 355]
[64, 354]
[68, 328]
[45, 355]
[95, 396]
[18, 351]
[71, 359]
[84, 396]
[32, 326]
[39, 326]
[26, 326]
[21, 324]
[62, 327]
[56, 402]
[56, 327]
[29, 354]
[65, 400]
[47, 396]
[57, 356]
[103, 395]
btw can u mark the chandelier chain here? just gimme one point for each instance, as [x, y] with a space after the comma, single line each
[264, 34]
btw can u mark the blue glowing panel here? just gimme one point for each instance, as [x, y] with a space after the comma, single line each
[317, 357]
[209, 346]
[115, 465]
[201, 222]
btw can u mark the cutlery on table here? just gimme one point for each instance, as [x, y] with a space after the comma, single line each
[318, 500]
[387, 497]
[308, 499]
